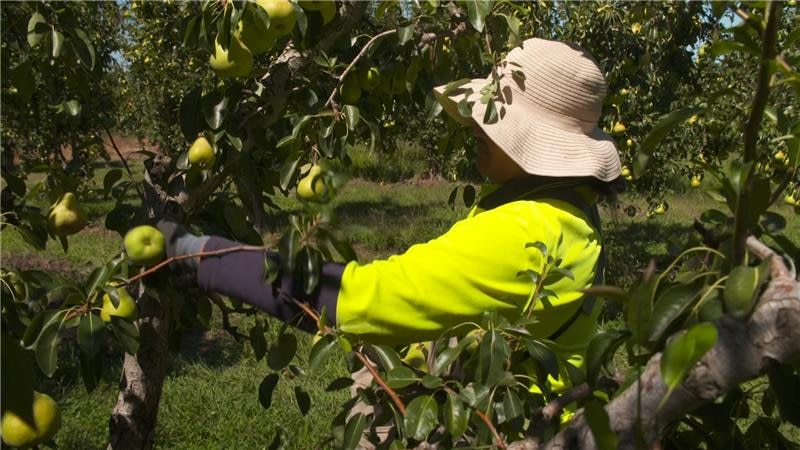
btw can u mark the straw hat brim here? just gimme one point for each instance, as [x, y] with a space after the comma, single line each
[537, 140]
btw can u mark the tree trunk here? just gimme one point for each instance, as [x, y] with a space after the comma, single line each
[133, 422]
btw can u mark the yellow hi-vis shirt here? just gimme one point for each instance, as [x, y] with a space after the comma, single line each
[473, 268]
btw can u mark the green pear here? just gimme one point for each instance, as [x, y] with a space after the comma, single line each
[312, 186]
[201, 154]
[369, 77]
[126, 309]
[236, 61]
[350, 91]
[144, 245]
[67, 216]
[281, 16]
[254, 35]
[46, 422]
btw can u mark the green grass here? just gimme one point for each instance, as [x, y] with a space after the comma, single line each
[210, 394]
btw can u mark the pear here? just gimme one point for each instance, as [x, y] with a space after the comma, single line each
[233, 62]
[67, 216]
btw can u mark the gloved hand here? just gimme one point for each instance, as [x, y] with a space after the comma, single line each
[180, 242]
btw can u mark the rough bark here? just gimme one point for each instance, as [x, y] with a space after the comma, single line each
[133, 421]
[744, 350]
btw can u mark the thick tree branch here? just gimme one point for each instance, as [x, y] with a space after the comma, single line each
[744, 350]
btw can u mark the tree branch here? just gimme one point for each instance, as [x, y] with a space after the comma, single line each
[753, 126]
[376, 376]
[356, 60]
[744, 350]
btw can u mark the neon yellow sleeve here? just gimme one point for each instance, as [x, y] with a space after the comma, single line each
[473, 268]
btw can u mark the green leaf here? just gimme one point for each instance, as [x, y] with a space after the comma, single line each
[189, 115]
[309, 264]
[58, 42]
[266, 388]
[91, 334]
[83, 47]
[127, 334]
[404, 34]
[432, 382]
[353, 431]
[303, 400]
[492, 355]
[282, 352]
[450, 354]
[339, 384]
[600, 350]
[214, 107]
[683, 352]
[740, 290]
[37, 28]
[456, 416]
[477, 10]
[720, 48]
[257, 341]
[301, 18]
[465, 108]
[387, 357]
[639, 309]
[351, 114]
[512, 405]
[47, 346]
[540, 352]
[599, 423]
[400, 377]
[669, 306]
[421, 417]
[321, 351]
[288, 248]
[111, 177]
[539, 246]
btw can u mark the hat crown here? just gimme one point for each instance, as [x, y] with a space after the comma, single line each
[559, 77]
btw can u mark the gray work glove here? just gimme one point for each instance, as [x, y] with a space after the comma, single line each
[180, 242]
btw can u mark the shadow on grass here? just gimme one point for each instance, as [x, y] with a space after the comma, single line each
[631, 246]
[212, 348]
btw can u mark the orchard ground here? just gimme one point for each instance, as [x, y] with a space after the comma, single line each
[210, 397]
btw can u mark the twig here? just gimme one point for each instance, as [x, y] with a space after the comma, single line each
[392, 394]
[501, 444]
[747, 18]
[172, 259]
[355, 61]
[552, 409]
[121, 158]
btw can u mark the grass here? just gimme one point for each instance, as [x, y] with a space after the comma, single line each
[210, 395]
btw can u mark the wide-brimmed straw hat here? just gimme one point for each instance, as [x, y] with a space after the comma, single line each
[548, 104]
